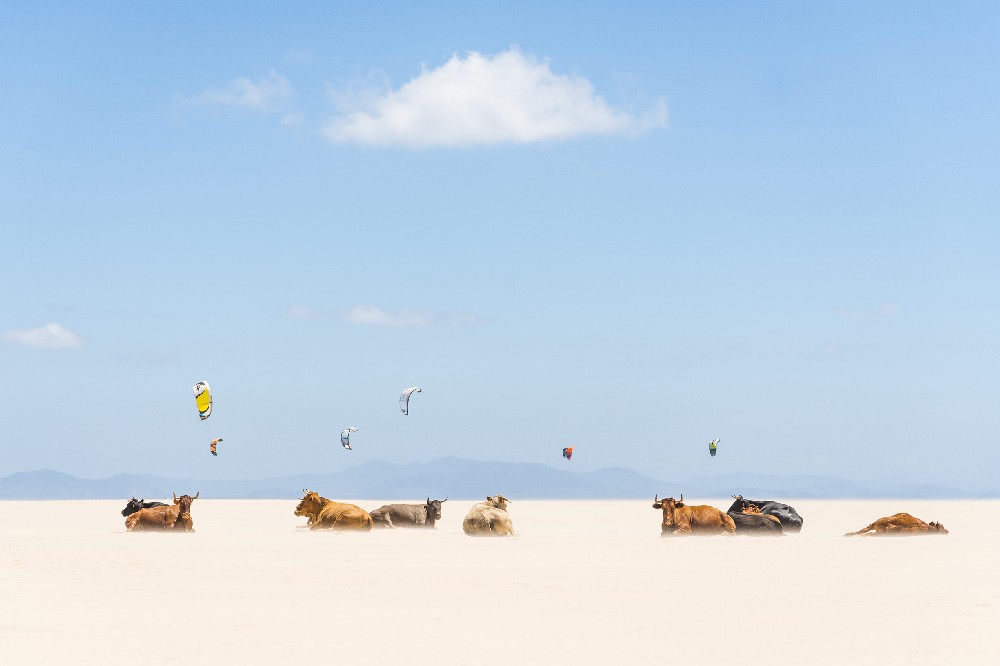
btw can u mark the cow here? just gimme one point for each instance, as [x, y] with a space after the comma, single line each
[900, 524]
[750, 521]
[168, 517]
[136, 504]
[408, 515]
[184, 522]
[489, 518]
[325, 514]
[681, 519]
[790, 520]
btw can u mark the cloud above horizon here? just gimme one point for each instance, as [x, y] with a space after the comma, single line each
[267, 94]
[50, 336]
[371, 315]
[480, 99]
[881, 312]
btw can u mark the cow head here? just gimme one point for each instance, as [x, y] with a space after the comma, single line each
[310, 504]
[499, 501]
[738, 504]
[184, 501]
[132, 506]
[668, 505]
[937, 527]
[433, 509]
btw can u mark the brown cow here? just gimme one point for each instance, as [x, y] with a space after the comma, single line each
[324, 514]
[901, 524]
[680, 519]
[177, 516]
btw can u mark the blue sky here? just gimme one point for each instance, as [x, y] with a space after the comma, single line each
[628, 230]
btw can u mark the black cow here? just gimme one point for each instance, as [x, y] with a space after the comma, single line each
[136, 504]
[790, 520]
[754, 523]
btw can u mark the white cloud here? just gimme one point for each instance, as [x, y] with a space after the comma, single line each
[881, 312]
[369, 314]
[482, 100]
[50, 336]
[375, 316]
[271, 93]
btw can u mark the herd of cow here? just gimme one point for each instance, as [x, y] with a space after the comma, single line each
[490, 518]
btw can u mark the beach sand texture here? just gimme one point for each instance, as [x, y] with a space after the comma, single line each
[584, 582]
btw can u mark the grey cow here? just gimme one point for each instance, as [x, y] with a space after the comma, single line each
[409, 515]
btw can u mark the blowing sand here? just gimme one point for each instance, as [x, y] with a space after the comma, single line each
[585, 582]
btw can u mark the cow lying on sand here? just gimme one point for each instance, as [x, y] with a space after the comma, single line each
[681, 519]
[901, 524]
[489, 518]
[408, 515]
[750, 521]
[136, 504]
[324, 514]
[790, 519]
[176, 516]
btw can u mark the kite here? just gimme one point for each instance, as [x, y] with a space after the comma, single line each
[404, 399]
[712, 446]
[203, 399]
[213, 445]
[345, 437]
[568, 452]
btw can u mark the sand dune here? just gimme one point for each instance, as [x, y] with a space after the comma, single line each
[582, 582]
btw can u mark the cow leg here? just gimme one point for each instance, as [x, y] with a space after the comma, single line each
[862, 532]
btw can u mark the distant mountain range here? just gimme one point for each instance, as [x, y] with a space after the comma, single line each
[466, 479]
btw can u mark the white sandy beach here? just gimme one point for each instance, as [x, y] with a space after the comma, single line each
[588, 582]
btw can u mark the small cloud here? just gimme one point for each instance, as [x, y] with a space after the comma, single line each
[881, 312]
[302, 312]
[369, 314]
[268, 94]
[50, 336]
[292, 119]
[484, 100]
[375, 316]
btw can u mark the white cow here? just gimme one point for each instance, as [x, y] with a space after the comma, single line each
[489, 518]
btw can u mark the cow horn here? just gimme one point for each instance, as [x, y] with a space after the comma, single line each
[445, 499]
[196, 495]
[175, 497]
[682, 498]
[656, 498]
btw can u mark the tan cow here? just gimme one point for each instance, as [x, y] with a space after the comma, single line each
[489, 518]
[680, 519]
[324, 514]
[901, 524]
[176, 516]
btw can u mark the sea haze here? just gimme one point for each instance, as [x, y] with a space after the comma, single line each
[469, 479]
